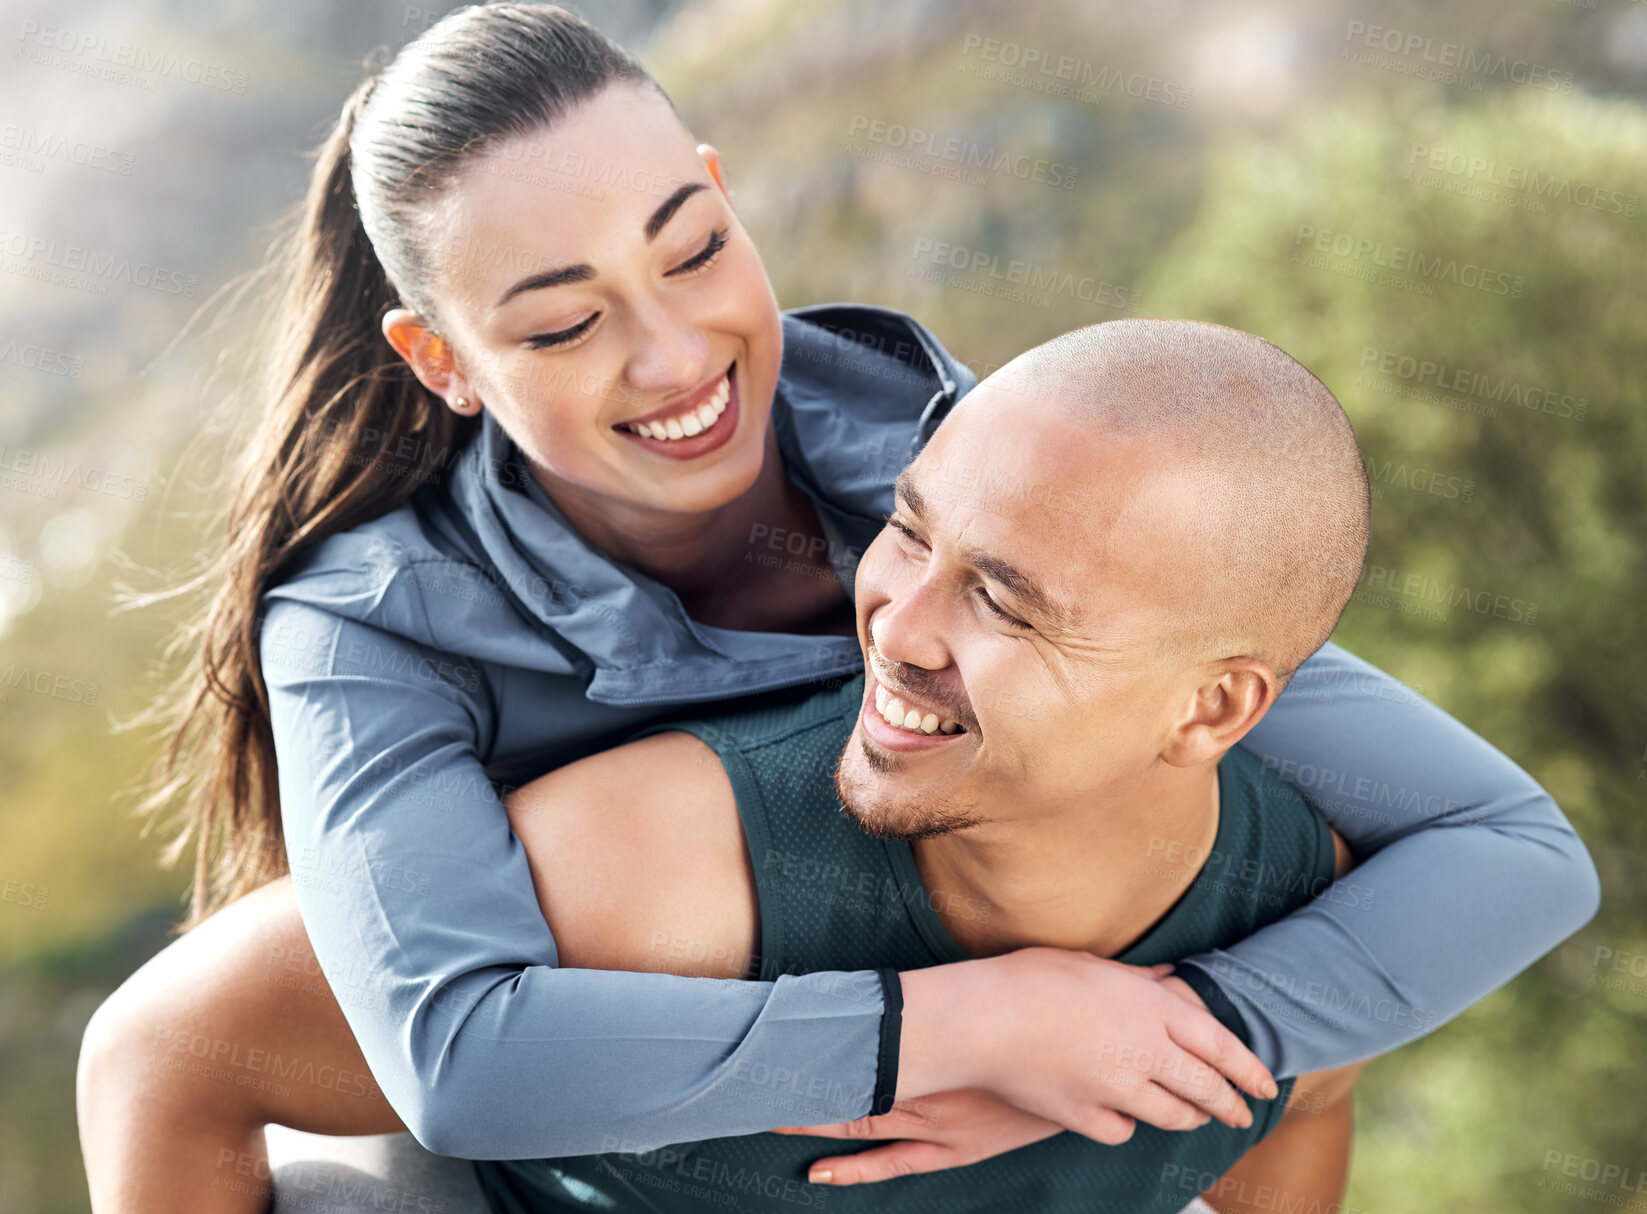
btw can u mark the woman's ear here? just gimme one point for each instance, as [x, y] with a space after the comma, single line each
[430, 358]
[712, 161]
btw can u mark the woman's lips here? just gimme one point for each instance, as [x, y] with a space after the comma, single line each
[713, 414]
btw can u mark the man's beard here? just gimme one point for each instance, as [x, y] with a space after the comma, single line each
[927, 820]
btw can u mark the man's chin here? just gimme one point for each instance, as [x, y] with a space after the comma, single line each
[876, 795]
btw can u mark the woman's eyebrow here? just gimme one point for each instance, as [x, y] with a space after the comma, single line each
[583, 271]
[666, 212]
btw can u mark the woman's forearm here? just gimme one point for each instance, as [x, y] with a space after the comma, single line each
[1470, 873]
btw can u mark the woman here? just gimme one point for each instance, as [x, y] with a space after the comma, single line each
[605, 481]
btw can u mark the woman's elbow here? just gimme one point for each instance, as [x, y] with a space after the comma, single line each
[1567, 880]
[1580, 884]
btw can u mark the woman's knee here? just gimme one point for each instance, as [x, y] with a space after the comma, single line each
[185, 1022]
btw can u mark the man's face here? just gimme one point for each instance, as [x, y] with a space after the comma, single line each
[1020, 595]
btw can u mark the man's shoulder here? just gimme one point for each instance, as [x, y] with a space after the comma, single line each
[785, 720]
[639, 860]
[1277, 817]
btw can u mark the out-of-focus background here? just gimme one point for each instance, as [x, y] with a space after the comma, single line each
[1441, 210]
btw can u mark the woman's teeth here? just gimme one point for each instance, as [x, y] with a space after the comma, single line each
[691, 423]
[910, 716]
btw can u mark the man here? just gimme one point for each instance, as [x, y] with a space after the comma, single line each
[1101, 572]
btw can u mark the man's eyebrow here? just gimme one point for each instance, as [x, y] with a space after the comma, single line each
[583, 271]
[904, 487]
[1039, 601]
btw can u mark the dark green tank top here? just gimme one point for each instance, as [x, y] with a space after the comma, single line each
[833, 898]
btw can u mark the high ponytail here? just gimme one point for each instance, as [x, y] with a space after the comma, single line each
[338, 410]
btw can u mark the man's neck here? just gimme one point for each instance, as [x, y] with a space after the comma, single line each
[1094, 877]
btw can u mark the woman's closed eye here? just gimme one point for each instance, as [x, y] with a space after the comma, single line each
[700, 259]
[561, 337]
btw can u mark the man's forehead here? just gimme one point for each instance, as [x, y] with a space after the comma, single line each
[1086, 514]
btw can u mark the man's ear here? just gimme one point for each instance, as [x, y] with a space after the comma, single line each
[430, 357]
[712, 161]
[1231, 697]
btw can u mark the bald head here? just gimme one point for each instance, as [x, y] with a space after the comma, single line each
[1270, 514]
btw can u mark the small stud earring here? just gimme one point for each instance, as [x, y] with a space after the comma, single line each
[461, 404]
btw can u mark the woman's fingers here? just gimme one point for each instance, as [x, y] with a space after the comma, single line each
[1195, 1029]
[944, 1130]
[1156, 1105]
[906, 1157]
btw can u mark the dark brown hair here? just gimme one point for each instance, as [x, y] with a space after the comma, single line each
[338, 410]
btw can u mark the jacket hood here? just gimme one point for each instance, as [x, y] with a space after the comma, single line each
[485, 566]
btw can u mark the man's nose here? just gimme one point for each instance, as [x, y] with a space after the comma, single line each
[910, 626]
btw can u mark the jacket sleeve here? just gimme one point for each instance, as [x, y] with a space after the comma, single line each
[1469, 873]
[421, 910]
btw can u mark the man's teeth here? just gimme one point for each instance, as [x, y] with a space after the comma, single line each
[910, 716]
[691, 423]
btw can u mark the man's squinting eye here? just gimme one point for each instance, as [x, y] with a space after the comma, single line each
[711, 250]
[902, 528]
[988, 602]
[994, 609]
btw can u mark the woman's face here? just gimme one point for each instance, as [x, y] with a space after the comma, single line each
[596, 292]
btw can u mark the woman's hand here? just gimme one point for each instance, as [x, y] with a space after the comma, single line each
[944, 1130]
[1083, 1043]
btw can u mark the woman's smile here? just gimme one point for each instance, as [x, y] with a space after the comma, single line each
[696, 425]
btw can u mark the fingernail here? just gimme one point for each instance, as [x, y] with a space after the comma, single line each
[1271, 1091]
[820, 1176]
